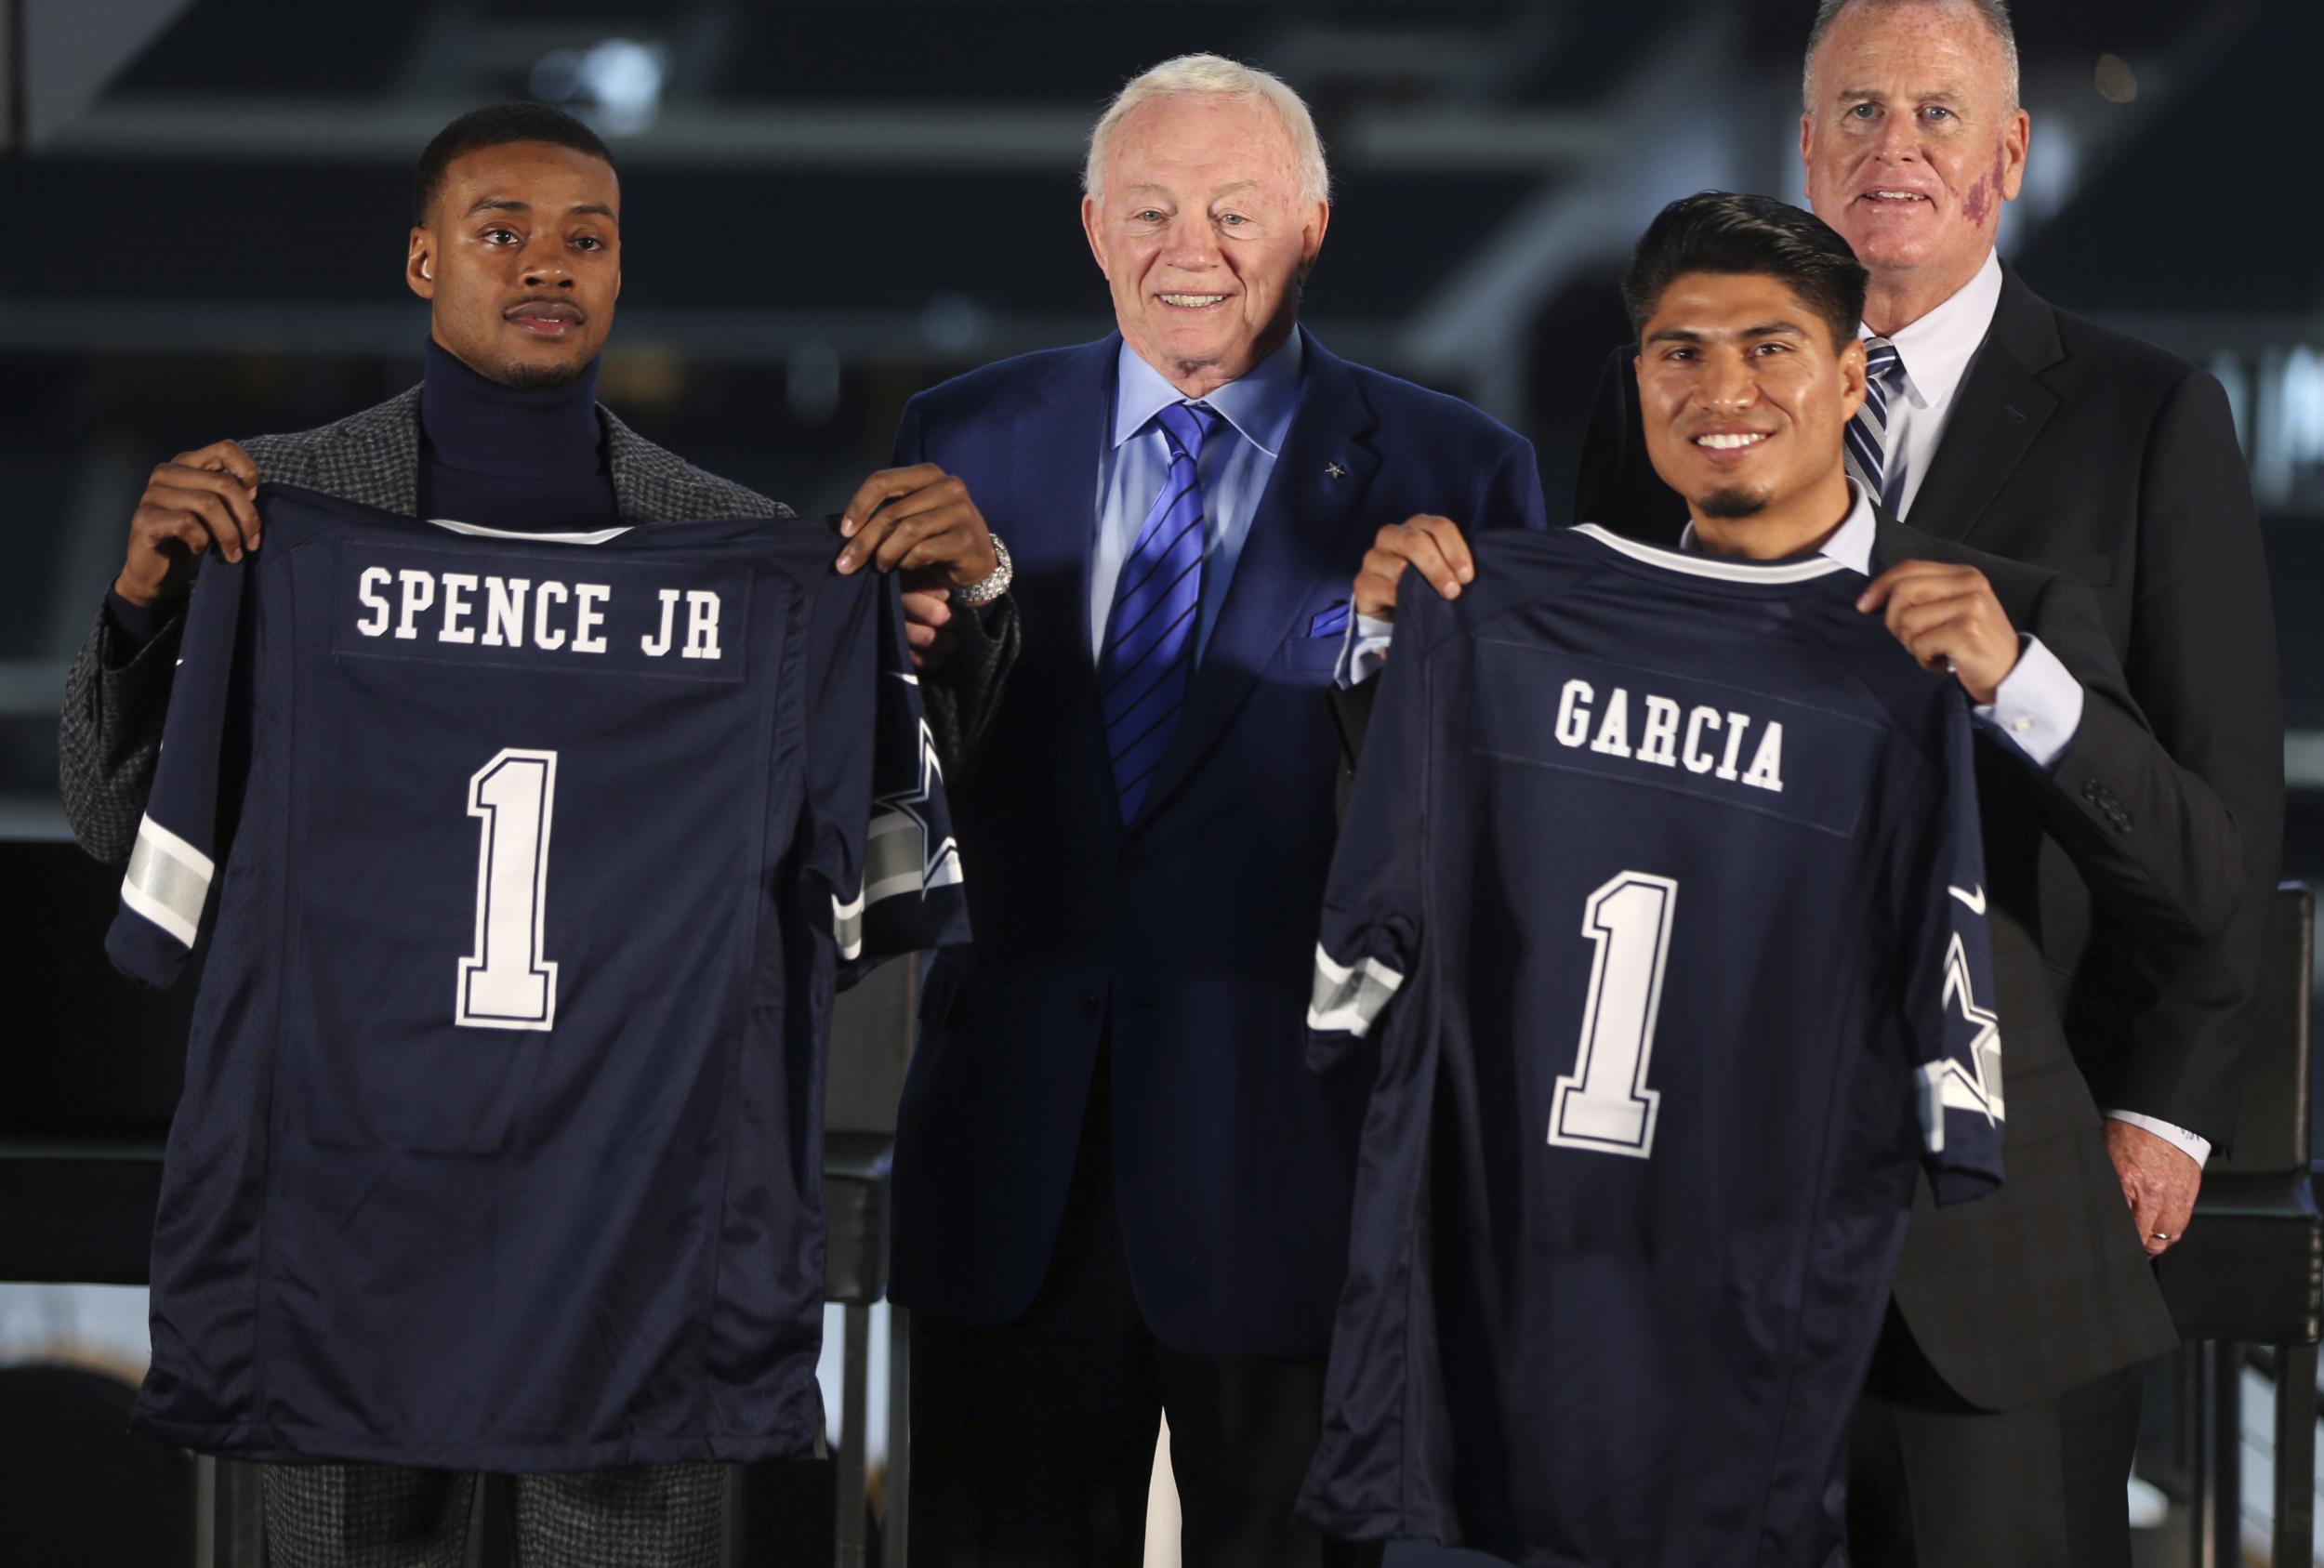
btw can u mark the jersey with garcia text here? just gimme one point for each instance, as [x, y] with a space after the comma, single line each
[1660, 900]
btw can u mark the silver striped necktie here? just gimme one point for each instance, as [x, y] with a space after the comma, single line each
[1867, 432]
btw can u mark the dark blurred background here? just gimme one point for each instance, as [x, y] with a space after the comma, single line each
[829, 205]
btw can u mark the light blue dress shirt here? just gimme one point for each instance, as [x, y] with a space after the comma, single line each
[1235, 465]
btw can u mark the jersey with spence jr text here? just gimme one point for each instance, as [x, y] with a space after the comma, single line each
[527, 865]
[1661, 895]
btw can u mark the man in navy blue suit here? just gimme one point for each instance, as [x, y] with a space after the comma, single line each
[1119, 1190]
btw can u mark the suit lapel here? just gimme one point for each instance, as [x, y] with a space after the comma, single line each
[1997, 414]
[1298, 534]
[1051, 467]
[1892, 541]
[1078, 400]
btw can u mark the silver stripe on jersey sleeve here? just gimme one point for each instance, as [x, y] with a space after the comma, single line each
[1349, 996]
[168, 881]
[846, 927]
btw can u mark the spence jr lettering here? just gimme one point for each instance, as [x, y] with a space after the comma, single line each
[1702, 739]
[492, 610]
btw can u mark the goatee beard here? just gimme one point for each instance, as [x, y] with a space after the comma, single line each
[1732, 503]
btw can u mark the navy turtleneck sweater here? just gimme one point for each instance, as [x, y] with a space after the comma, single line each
[505, 459]
[488, 455]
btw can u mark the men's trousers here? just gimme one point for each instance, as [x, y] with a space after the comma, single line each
[379, 1516]
[1033, 1443]
[1935, 1481]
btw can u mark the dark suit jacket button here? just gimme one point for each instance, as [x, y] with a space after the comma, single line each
[1088, 1001]
[1132, 861]
[2092, 793]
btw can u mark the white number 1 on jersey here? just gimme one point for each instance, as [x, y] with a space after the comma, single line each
[1604, 1104]
[506, 984]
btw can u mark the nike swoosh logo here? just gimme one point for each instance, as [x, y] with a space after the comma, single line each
[1974, 901]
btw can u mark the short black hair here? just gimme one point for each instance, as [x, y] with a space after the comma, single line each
[1721, 231]
[496, 127]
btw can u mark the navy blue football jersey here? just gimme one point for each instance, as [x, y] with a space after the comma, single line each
[528, 864]
[1660, 897]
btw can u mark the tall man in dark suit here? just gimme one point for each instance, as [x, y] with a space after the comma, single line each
[516, 244]
[1119, 1190]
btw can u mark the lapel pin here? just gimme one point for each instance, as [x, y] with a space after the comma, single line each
[1333, 470]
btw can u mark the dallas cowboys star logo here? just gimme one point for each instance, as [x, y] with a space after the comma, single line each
[902, 851]
[1969, 1080]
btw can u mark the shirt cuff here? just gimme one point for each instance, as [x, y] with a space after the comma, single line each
[2037, 706]
[134, 624]
[1364, 649]
[2194, 1145]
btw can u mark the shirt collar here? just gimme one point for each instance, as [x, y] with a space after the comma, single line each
[1258, 403]
[1851, 543]
[1937, 349]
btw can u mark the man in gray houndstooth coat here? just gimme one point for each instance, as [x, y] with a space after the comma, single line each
[516, 247]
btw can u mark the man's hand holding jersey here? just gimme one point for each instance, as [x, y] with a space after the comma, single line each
[196, 501]
[1432, 545]
[923, 521]
[1947, 618]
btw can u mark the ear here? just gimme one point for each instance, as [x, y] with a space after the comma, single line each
[420, 264]
[1853, 380]
[1093, 233]
[1312, 234]
[1807, 135]
[2017, 137]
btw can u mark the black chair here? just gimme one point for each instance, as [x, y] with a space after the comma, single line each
[2250, 1271]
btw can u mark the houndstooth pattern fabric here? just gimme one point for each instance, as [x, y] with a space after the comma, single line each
[364, 1516]
[377, 1516]
[647, 1516]
[109, 734]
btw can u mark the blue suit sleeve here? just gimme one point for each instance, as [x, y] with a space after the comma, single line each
[1511, 496]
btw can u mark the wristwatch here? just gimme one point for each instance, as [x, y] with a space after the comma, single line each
[992, 585]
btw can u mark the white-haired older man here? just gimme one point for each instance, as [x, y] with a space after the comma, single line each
[1119, 1189]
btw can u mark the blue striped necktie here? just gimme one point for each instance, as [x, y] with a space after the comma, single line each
[1867, 432]
[1150, 635]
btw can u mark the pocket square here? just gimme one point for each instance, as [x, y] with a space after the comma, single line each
[1329, 623]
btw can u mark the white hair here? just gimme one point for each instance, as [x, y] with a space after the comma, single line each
[1993, 13]
[1215, 76]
